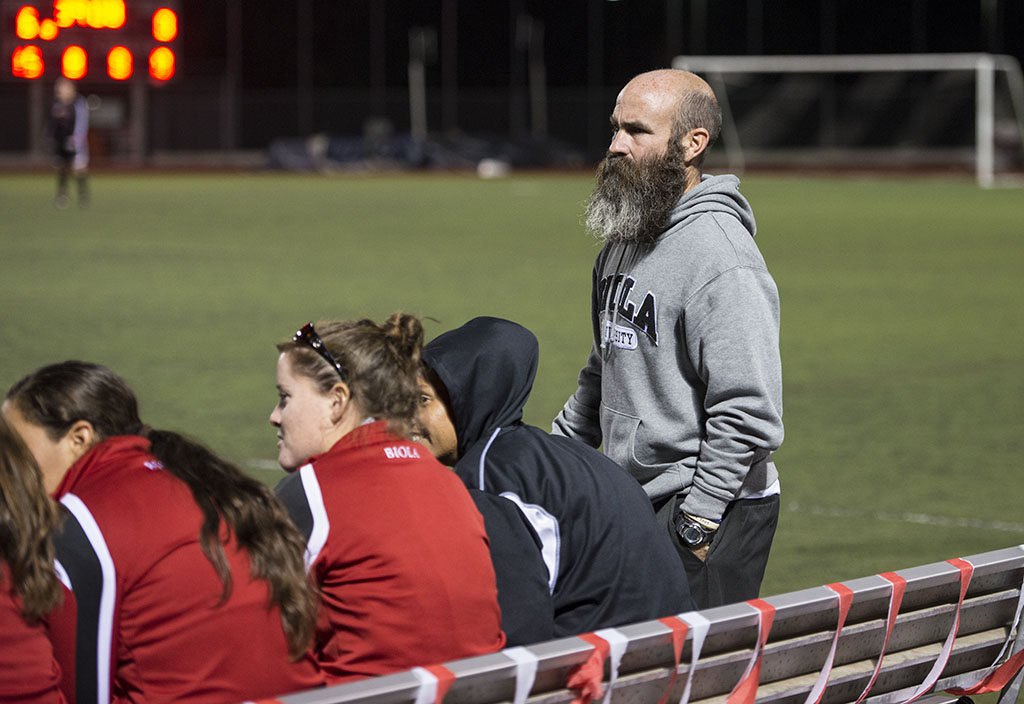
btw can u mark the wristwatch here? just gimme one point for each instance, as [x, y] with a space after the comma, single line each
[693, 534]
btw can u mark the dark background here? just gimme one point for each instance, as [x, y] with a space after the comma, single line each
[637, 34]
[251, 71]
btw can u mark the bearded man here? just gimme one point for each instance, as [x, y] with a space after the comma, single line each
[683, 385]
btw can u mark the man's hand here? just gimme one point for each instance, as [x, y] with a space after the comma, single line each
[701, 553]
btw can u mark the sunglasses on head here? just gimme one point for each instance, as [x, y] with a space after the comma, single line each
[307, 336]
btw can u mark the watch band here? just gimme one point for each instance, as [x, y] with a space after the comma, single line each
[708, 523]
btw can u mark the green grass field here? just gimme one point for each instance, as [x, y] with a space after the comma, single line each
[902, 339]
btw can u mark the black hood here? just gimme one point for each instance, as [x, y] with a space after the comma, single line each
[488, 366]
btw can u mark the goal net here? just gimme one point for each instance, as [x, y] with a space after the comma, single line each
[879, 110]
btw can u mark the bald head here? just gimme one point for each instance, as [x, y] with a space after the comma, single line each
[672, 82]
[662, 106]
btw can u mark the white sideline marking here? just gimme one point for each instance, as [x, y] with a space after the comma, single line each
[255, 463]
[908, 517]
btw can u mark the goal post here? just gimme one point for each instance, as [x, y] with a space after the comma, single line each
[984, 67]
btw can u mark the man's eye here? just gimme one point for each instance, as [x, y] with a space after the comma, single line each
[424, 400]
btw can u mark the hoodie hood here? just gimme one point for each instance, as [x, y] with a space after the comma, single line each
[714, 194]
[487, 366]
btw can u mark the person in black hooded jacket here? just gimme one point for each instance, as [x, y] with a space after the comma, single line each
[607, 561]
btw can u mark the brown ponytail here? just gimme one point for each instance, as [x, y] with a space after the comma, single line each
[27, 520]
[260, 524]
[381, 363]
[57, 396]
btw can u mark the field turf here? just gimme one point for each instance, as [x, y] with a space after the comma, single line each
[902, 338]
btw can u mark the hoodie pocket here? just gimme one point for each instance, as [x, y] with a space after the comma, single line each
[624, 443]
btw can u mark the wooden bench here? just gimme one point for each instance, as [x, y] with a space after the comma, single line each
[983, 628]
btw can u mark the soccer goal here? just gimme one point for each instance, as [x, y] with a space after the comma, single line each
[881, 110]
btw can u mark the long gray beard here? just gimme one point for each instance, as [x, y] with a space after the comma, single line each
[632, 201]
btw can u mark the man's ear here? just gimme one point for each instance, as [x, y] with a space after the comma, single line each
[80, 437]
[694, 143]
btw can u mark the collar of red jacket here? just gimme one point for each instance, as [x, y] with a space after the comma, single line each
[368, 433]
[115, 450]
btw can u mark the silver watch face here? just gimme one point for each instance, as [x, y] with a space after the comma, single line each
[693, 534]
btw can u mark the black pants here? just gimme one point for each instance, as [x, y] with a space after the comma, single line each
[738, 554]
[65, 168]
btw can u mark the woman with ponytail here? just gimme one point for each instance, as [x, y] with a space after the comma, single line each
[28, 583]
[394, 540]
[187, 575]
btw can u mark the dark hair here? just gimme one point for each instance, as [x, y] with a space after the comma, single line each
[27, 521]
[57, 396]
[697, 108]
[381, 364]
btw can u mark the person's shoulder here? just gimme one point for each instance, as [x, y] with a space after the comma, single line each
[520, 438]
[520, 450]
[404, 462]
[118, 484]
[587, 458]
[709, 243]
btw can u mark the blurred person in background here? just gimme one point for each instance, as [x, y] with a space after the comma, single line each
[69, 124]
[683, 385]
[606, 561]
[29, 587]
[186, 575]
[394, 542]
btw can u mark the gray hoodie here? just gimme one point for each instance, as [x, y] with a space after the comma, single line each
[684, 382]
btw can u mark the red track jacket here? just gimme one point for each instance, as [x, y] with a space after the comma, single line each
[400, 553]
[146, 623]
[28, 671]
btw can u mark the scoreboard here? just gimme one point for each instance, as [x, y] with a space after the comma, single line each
[96, 40]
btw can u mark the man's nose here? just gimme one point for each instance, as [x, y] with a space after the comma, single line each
[620, 143]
